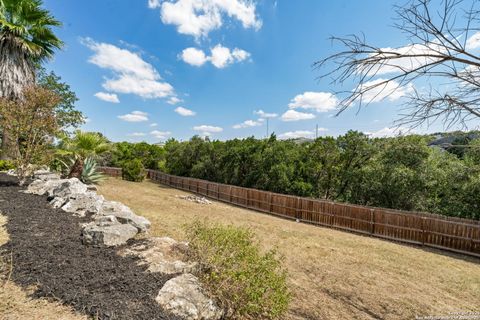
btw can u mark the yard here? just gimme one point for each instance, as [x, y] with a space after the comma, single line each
[332, 274]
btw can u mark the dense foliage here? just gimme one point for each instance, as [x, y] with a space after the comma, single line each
[133, 170]
[401, 173]
[247, 283]
[152, 156]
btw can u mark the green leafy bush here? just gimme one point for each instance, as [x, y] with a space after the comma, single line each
[90, 174]
[6, 165]
[133, 170]
[247, 283]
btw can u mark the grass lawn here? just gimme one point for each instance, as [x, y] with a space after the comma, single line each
[15, 303]
[332, 274]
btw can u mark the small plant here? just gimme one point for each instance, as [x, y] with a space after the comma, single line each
[6, 165]
[246, 283]
[133, 170]
[90, 174]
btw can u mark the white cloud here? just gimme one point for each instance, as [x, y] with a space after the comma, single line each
[390, 132]
[109, 97]
[207, 130]
[137, 134]
[248, 123]
[296, 134]
[174, 100]
[319, 101]
[194, 57]
[184, 112]
[264, 115]
[153, 124]
[162, 135]
[131, 74]
[198, 17]
[220, 56]
[152, 4]
[391, 91]
[292, 115]
[473, 42]
[134, 116]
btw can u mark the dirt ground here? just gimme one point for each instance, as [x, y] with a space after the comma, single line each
[49, 261]
[333, 274]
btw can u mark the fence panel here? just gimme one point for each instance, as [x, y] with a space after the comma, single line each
[449, 233]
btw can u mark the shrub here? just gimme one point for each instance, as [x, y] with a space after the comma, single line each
[245, 282]
[133, 170]
[90, 174]
[6, 165]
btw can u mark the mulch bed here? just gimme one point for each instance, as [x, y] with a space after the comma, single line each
[48, 254]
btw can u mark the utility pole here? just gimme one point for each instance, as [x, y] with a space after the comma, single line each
[316, 132]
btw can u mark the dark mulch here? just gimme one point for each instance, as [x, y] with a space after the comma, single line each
[48, 254]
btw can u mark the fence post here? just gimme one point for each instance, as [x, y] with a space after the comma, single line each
[270, 206]
[372, 221]
[297, 209]
[218, 191]
[230, 194]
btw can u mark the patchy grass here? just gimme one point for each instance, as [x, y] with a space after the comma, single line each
[15, 303]
[332, 274]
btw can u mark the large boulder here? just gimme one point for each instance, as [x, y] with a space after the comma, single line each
[164, 255]
[45, 175]
[124, 215]
[107, 231]
[83, 203]
[42, 187]
[183, 296]
[67, 187]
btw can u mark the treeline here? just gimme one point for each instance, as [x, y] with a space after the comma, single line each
[400, 173]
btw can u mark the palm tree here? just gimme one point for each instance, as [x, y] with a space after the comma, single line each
[82, 146]
[26, 40]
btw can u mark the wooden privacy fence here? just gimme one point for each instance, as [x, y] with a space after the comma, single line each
[430, 230]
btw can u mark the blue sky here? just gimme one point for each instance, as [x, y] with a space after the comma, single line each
[148, 70]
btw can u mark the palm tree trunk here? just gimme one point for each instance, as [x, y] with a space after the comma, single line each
[16, 73]
[77, 169]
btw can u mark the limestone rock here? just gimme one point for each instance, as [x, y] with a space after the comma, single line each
[83, 203]
[124, 215]
[67, 187]
[183, 297]
[42, 187]
[107, 231]
[164, 255]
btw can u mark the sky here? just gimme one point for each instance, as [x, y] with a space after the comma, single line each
[150, 70]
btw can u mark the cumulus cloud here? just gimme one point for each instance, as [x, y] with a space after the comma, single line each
[194, 57]
[153, 124]
[220, 56]
[134, 116]
[391, 91]
[318, 101]
[174, 100]
[109, 97]
[264, 115]
[390, 132]
[131, 74]
[292, 115]
[207, 130]
[248, 123]
[198, 17]
[184, 112]
[161, 135]
[296, 134]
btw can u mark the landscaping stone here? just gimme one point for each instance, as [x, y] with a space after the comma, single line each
[124, 215]
[183, 296]
[83, 203]
[67, 187]
[42, 187]
[46, 175]
[107, 231]
[197, 199]
[164, 255]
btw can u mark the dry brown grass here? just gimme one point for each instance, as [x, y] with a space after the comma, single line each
[333, 274]
[15, 303]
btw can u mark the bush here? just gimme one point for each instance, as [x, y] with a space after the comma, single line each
[245, 282]
[133, 170]
[6, 165]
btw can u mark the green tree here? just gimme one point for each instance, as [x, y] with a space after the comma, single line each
[26, 40]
